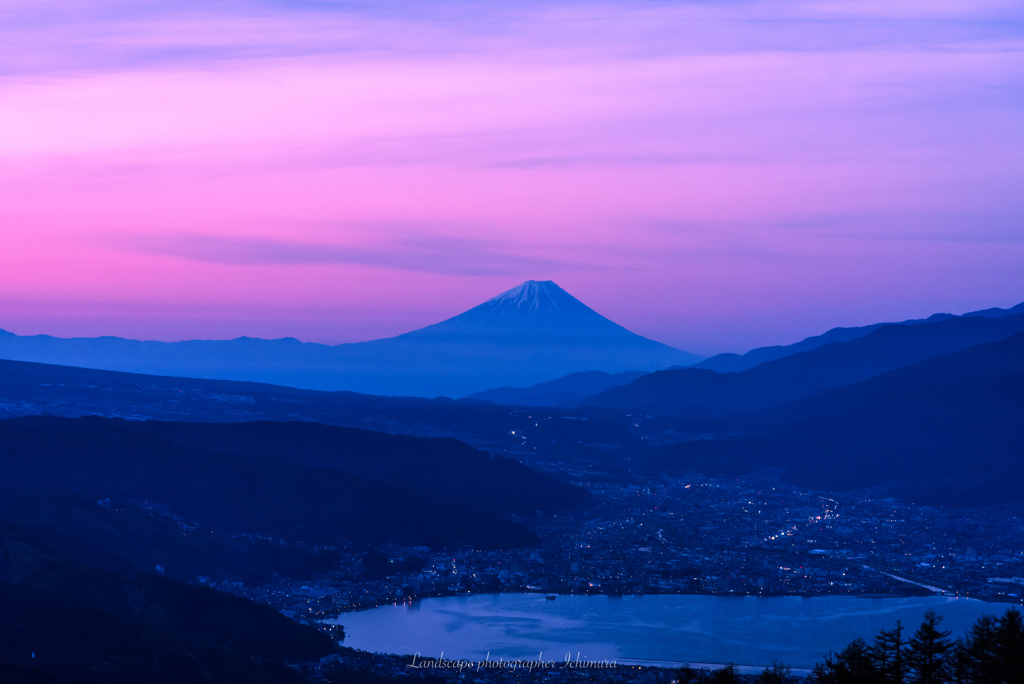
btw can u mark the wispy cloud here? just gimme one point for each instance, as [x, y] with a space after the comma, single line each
[785, 150]
[69, 36]
[447, 256]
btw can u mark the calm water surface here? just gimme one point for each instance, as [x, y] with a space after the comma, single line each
[663, 628]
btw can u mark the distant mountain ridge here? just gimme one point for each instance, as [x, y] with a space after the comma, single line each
[702, 392]
[565, 390]
[576, 389]
[889, 429]
[946, 430]
[735, 363]
[529, 334]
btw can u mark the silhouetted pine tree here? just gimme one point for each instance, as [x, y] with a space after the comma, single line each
[852, 665]
[778, 673]
[725, 675]
[689, 675]
[992, 652]
[976, 660]
[929, 652]
[958, 669]
[889, 655]
[1009, 647]
[820, 674]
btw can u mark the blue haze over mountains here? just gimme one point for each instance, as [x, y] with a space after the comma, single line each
[926, 410]
[734, 363]
[763, 416]
[532, 333]
[563, 391]
[946, 430]
[942, 400]
[704, 392]
[772, 375]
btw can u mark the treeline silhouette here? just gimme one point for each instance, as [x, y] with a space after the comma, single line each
[991, 652]
[777, 673]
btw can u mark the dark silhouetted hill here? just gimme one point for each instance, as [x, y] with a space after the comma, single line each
[65, 622]
[944, 431]
[566, 389]
[702, 392]
[40, 389]
[128, 539]
[243, 481]
[442, 469]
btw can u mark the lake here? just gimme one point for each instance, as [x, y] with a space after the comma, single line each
[656, 629]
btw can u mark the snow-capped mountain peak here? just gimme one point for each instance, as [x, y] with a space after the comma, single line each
[532, 295]
[536, 307]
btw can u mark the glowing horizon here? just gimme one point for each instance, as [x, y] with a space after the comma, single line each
[712, 177]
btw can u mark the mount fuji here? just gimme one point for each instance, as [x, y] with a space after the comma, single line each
[531, 333]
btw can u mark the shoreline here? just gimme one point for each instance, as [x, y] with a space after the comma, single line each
[624, 660]
[522, 590]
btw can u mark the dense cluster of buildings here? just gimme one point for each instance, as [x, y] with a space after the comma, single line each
[674, 536]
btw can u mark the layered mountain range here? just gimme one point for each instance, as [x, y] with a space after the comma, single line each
[531, 333]
[253, 488]
[768, 376]
[700, 391]
[947, 387]
[946, 430]
[735, 363]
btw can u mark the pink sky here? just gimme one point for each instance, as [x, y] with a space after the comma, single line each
[716, 176]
